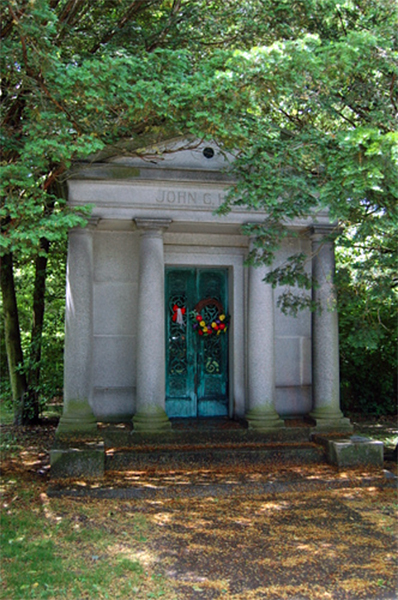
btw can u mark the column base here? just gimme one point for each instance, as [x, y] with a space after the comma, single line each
[151, 421]
[329, 419]
[77, 418]
[264, 419]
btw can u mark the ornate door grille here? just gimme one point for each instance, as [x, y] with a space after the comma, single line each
[196, 367]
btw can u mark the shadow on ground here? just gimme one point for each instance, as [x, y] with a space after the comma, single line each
[294, 532]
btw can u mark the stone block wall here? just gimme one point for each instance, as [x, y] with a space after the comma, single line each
[115, 310]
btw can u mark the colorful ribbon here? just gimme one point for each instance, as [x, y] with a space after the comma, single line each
[178, 314]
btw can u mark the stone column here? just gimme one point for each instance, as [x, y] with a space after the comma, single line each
[261, 415]
[151, 387]
[77, 415]
[325, 334]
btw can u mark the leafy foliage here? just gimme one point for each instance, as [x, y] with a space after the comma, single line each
[368, 326]
[51, 361]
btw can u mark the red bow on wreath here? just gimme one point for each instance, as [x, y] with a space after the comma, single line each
[178, 314]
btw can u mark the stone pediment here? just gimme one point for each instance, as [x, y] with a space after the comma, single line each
[180, 158]
[184, 179]
[180, 153]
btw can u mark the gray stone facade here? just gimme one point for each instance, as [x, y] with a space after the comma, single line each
[156, 213]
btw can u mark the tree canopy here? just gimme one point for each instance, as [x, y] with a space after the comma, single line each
[304, 91]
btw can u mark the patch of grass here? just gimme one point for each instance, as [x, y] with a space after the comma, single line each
[31, 567]
[390, 440]
[51, 411]
[383, 430]
[49, 554]
[8, 443]
[6, 413]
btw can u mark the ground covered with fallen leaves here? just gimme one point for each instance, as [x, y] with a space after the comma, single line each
[334, 541]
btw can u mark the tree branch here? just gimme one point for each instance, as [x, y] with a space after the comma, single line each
[161, 35]
[136, 7]
[70, 11]
[8, 27]
[52, 176]
[39, 79]
[362, 113]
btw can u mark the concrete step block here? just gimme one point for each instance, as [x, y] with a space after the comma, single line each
[355, 451]
[82, 459]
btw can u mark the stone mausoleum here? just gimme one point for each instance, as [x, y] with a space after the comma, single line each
[155, 256]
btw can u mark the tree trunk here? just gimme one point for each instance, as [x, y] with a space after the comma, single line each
[13, 339]
[37, 330]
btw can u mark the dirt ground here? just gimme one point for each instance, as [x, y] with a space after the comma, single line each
[334, 542]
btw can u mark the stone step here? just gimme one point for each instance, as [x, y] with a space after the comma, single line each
[189, 444]
[174, 457]
[124, 438]
[207, 445]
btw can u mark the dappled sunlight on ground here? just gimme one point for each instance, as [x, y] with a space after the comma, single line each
[299, 539]
[335, 540]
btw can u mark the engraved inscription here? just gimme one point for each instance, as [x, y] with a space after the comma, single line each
[185, 198]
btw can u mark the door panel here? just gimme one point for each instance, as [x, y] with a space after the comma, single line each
[180, 367]
[196, 367]
[212, 351]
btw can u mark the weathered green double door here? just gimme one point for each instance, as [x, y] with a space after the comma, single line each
[196, 366]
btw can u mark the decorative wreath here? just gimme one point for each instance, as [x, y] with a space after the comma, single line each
[215, 326]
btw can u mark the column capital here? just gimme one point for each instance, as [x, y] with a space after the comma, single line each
[148, 224]
[319, 231]
[93, 222]
[91, 225]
